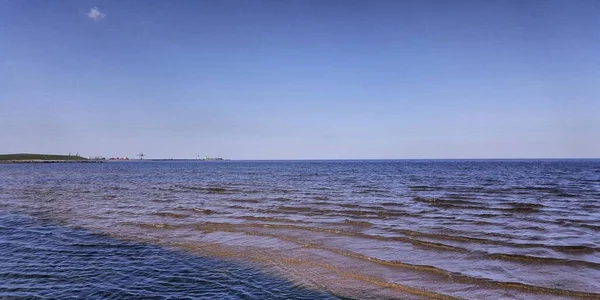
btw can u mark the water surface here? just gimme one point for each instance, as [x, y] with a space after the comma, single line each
[525, 229]
[42, 259]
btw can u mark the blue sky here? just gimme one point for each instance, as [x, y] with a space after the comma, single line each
[301, 79]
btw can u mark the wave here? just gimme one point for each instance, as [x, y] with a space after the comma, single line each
[370, 212]
[448, 275]
[156, 226]
[549, 190]
[214, 189]
[371, 191]
[319, 279]
[425, 188]
[281, 199]
[392, 204]
[219, 226]
[295, 208]
[526, 190]
[521, 207]
[267, 219]
[245, 200]
[448, 202]
[514, 207]
[172, 215]
[358, 223]
[580, 249]
[594, 227]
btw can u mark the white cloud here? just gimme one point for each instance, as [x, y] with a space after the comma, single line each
[95, 14]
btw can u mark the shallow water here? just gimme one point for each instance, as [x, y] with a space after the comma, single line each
[41, 259]
[364, 229]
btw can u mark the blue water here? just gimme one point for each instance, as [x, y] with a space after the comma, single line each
[474, 229]
[43, 259]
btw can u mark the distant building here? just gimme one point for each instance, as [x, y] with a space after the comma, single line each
[119, 158]
[97, 158]
[210, 158]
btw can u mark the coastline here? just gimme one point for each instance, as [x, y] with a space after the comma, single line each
[43, 158]
[36, 161]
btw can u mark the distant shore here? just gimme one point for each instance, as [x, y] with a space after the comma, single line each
[42, 158]
[34, 161]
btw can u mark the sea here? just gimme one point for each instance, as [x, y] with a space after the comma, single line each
[351, 229]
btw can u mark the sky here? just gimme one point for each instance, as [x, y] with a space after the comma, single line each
[301, 79]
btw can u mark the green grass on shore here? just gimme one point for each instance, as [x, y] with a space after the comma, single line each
[29, 156]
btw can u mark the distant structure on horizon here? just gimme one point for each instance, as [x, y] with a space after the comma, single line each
[96, 157]
[119, 158]
[210, 158]
[141, 156]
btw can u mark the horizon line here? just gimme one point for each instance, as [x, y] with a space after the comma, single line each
[337, 159]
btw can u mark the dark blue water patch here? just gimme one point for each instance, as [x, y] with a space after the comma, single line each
[40, 259]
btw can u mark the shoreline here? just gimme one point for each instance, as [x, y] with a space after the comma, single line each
[38, 161]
